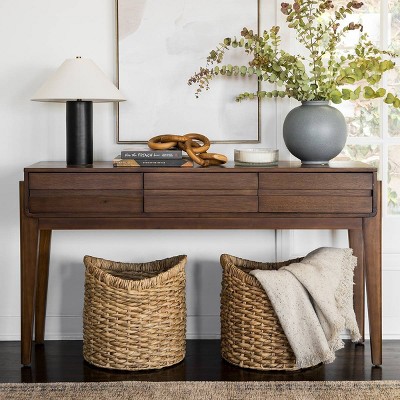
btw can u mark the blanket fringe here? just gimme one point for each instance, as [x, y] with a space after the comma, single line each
[348, 264]
[325, 358]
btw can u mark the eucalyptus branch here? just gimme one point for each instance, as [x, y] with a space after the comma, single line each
[321, 75]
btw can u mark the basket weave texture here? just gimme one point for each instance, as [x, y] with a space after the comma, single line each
[251, 334]
[134, 315]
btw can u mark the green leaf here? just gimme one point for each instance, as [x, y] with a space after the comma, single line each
[358, 74]
[369, 93]
[346, 93]
[348, 71]
[276, 67]
[380, 92]
[336, 99]
[336, 93]
[386, 65]
[349, 79]
[374, 79]
[300, 65]
[389, 98]
[354, 96]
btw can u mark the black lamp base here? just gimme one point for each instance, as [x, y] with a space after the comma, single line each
[79, 133]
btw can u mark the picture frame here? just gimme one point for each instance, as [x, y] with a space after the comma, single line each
[153, 70]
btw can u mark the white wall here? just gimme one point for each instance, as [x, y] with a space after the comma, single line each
[35, 38]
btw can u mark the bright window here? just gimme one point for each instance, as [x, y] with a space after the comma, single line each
[374, 127]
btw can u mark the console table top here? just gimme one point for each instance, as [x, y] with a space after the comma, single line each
[283, 166]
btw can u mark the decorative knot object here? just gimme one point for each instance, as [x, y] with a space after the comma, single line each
[190, 144]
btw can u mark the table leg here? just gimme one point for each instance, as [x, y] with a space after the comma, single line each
[357, 244]
[29, 238]
[372, 228]
[42, 284]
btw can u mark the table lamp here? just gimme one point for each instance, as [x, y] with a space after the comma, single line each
[79, 82]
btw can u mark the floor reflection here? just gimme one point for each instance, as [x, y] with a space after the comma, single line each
[62, 361]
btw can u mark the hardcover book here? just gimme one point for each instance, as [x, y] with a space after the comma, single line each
[120, 162]
[145, 153]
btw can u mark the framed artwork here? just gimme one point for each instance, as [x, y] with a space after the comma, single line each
[160, 44]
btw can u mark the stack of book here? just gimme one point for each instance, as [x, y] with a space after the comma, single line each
[146, 157]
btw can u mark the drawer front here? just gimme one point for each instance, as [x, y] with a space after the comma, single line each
[89, 205]
[77, 193]
[200, 204]
[200, 192]
[91, 180]
[316, 192]
[316, 181]
[316, 204]
[201, 181]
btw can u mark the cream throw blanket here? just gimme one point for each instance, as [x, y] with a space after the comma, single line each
[313, 300]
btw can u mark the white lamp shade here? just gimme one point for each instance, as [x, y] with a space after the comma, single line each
[78, 79]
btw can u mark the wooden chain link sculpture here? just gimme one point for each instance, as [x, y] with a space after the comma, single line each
[190, 144]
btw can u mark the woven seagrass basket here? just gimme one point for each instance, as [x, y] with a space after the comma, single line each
[251, 334]
[134, 315]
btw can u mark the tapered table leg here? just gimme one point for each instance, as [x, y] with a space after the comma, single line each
[42, 284]
[356, 242]
[29, 251]
[372, 228]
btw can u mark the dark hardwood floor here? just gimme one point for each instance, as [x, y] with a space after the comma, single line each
[62, 361]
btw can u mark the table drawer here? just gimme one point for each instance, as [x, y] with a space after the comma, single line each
[315, 204]
[78, 205]
[93, 180]
[316, 181]
[200, 204]
[74, 202]
[201, 181]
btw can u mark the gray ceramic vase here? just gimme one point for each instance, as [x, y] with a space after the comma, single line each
[315, 132]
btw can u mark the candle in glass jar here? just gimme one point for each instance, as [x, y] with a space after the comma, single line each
[256, 156]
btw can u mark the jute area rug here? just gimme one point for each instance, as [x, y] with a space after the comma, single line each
[376, 390]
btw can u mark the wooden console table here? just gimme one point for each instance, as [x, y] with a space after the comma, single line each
[288, 196]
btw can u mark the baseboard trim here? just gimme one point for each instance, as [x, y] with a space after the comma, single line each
[69, 327]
